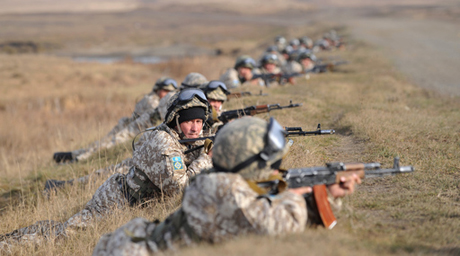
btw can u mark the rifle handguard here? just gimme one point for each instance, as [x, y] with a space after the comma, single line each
[208, 145]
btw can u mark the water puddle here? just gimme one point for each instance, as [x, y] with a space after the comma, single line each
[115, 59]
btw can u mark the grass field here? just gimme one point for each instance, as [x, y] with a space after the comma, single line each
[50, 104]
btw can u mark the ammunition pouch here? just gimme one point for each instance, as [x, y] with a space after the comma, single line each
[172, 227]
[147, 189]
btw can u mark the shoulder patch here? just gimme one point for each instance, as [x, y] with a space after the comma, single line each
[177, 163]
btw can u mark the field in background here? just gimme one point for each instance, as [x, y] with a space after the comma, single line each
[50, 104]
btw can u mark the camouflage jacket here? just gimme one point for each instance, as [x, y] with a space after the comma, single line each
[146, 105]
[216, 207]
[160, 160]
[231, 80]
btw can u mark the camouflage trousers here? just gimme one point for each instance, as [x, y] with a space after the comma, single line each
[141, 237]
[109, 196]
[124, 131]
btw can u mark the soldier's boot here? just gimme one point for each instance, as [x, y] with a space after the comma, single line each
[62, 157]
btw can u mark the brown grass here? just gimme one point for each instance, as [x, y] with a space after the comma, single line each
[51, 104]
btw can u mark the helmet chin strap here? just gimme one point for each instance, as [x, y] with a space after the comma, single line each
[179, 130]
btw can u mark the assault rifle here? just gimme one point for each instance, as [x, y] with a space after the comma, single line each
[321, 68]
[226, 116]
[317, 177]
[279, 77]
[291, 132]
[242, 94]
[297, 131]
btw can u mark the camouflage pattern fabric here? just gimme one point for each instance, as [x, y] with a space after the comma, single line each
[231, 80]
[271, 82]
[126, 128]
[162, 160]
[194, 80]
[217, 94]
[292, 67]
[217, 207]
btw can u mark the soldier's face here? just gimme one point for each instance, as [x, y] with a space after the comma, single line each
[270, 67]
[192, 128]
[216, 104]
[307, 62]
[162, 92]
[244, 72]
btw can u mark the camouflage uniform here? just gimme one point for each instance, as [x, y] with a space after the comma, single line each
[215, 208]
[219, 206]
[232, 80]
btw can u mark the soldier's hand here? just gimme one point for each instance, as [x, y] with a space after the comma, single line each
[301, 190]
[345, 187]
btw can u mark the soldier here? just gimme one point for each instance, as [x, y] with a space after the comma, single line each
[226, 202]
[280, 43]
[304, 62]
[274, 50]
[306, 42]
[216, 92]
[159, 167]
[242, 73]
[192, 80]
[145, 115]
[269, 67]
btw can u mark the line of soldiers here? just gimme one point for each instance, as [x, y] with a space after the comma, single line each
[219, 180]
[281, 63]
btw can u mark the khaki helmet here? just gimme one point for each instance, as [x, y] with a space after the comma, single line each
[306, 54]
[245, 61]
[251, 147]
[280, 42]
[186, 99]
[165, 83]
[194, 80]
[270, 58]
[216, 90]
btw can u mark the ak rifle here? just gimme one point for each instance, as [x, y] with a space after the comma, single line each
[291, 132]
[235, 95]
[321, 68]
[319, 177]
[226, 116]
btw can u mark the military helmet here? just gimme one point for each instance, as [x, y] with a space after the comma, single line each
[245, 61]
[294, 42]
[251, 147]
[216, 90]
[288, 50]
[305, 40]
[272, 48]
[269, 58]
[193, 80]
[165, 83]
[306, 54]
[186, 99]
[280, 40]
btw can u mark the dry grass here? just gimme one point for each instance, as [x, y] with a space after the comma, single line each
[377, 115]
[50, 104]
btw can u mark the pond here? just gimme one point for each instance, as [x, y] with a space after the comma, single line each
[113, 59]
